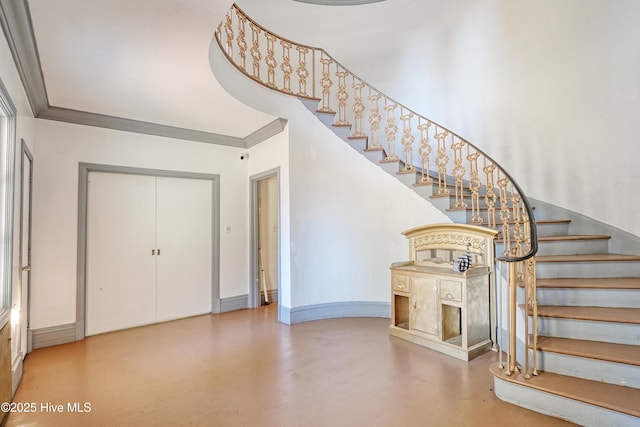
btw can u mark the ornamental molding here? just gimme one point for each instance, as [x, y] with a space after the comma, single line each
[439, 240]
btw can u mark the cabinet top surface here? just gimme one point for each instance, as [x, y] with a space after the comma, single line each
[445, 269]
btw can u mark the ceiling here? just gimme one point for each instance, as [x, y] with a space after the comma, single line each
[138, 65]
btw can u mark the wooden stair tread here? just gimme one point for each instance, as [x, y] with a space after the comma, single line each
[591, 283]
[615, 397]
[587, 258]
[574, 237]
[599, 314]
[553, 221]
[619, 353]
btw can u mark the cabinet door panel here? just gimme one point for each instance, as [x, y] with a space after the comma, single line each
[120, 290]
[184, 236]
[424, 305]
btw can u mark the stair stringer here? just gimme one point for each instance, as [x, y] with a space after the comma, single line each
[393, 168]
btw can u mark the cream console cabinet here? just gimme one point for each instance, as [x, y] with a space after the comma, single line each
[436, 307]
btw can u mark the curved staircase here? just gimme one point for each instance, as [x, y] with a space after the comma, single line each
[584, 299]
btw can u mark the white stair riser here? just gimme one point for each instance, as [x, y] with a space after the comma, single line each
[628, 298]
[373, 156]
[620, 333]
[459, 217]
[552, 229]
[358, 144]
[311, 104]
[343, 132]
[424, 191]
[326, 119]
[550, 270]
[591, 369]
[561, 407]
[566, 247]
[407, 179]
[390, 167]
[441, 203]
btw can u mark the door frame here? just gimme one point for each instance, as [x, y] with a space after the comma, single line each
[21, 262]
[83, 189]
[254, 279]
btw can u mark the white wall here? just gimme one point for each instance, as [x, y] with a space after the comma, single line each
[61, 147]
[549, 89]
[347, 216]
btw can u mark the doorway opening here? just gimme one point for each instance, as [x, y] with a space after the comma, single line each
[265, 239]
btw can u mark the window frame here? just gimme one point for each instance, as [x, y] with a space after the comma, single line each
[7, 185]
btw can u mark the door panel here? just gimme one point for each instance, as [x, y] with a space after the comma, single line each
[120, 266]
[184, 237]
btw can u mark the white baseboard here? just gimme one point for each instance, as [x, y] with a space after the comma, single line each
[335, 309]
[234, 303]
[53, 335]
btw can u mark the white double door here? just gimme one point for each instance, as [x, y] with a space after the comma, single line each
[149, 250]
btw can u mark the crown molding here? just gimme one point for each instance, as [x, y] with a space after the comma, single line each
[17, 26]
[15, 19]
[265, 132]
[118, 123]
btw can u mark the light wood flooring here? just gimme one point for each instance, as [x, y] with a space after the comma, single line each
[246, 369]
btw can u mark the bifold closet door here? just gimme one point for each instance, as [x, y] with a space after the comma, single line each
[184, 238]
[121, 230]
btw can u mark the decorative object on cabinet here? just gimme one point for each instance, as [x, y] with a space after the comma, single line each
[434, 306]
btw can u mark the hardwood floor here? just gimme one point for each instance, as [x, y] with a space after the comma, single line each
[246, 369]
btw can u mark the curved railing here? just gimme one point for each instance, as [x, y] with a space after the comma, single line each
[439, 157]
